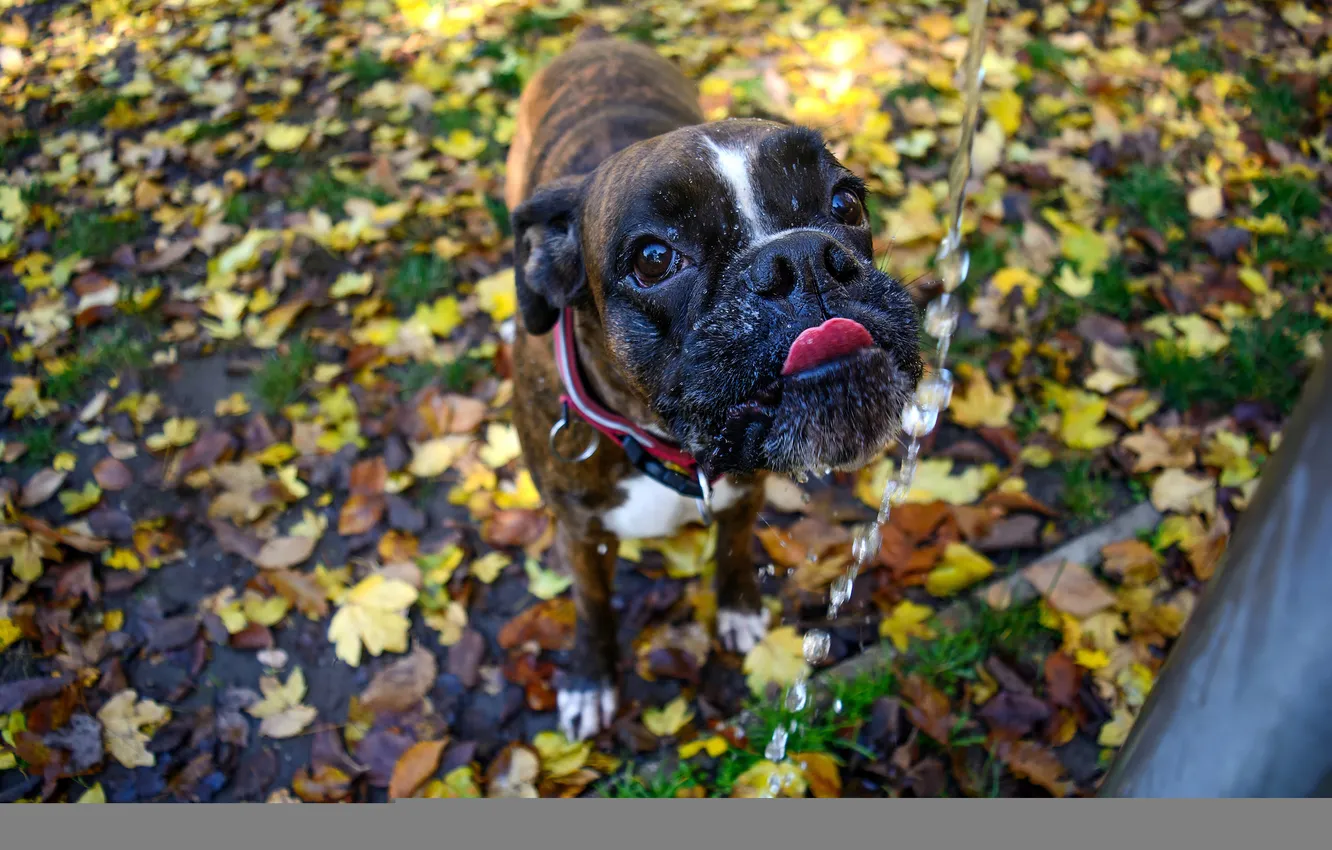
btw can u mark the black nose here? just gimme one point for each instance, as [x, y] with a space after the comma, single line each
[804, 261]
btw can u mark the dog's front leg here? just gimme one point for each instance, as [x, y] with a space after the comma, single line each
[741, 620]
[586, 693]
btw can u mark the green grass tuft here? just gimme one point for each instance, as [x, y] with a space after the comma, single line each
[17, 146]
[1044, 56]
[1085, 495]
[91, 234]
[367, 69]
[239, 210]
[323, 191]
[420, 279]
[1148, 194]
[278, 382]
[1275, 106]
[1197, 61]
[1292, 198]
[92, 107]
[663, 784]
[1305, 256]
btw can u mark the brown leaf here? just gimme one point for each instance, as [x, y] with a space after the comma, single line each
[1012, 532]
[928, 708]
[1131, 561]
[415, 767]
[1069, 587]
[1017, 502]
[514, 527]
[1063, 679]
[77, 580]
[327, 784]
[169, 256]
[1014, 713]
[369, 477]
[821, 773]
[465, 657]
[282, 552]
[917, 521]
[549, 624]
[203, 453]
[235, 541]
[403, 684]
[1036, 764]
[1205, 553]
[360, 513]
[41, 486]
[781, 547]
[111, 474]
[301, 590]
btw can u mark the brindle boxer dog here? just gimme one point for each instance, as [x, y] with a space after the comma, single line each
[704, 296]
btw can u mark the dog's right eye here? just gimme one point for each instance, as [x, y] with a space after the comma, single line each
[653, 262]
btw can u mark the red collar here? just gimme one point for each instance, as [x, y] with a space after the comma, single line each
[654, 456]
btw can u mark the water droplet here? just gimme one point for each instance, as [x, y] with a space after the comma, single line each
[816, 644]
[805, 498]
[941, 315]
[797, 695]
[801, 478]
[837, 706]
[936, 391]
[776, 749]
[601, 548]
[827, 471]
[865, 542]
[919, 421]
[774, 785]
[841, 590]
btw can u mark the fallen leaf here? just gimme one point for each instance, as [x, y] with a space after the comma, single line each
[124, 720]
[112, 475]
[373, 614]
[906, 621]
[549, 624]
[544, 584]
[1206, 202]
[978, 405]
[1177, 490]
[667, 721]
[403, 684]
[821, 774]
[1069, 587]
[281, 713]
[928, 709]
[777, 659]
[414, 767]
[283, 552]
[41, 486]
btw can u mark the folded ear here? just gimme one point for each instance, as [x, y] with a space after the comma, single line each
[548, 259]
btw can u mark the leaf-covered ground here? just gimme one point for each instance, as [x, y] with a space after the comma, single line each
[266, 534]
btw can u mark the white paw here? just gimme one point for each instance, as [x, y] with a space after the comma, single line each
[741, 631]
[585, 711]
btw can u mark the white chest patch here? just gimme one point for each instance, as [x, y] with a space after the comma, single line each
[651, 509]
[733, 165]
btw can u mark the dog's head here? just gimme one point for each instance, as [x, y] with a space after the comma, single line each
[731, 266]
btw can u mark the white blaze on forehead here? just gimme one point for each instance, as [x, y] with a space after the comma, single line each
[733, 165]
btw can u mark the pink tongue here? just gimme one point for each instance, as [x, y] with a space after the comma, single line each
[830, 340]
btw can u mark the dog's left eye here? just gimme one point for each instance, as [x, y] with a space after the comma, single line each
[654, 262]
[847, 208]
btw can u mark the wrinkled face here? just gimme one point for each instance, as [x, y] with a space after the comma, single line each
[735, 279]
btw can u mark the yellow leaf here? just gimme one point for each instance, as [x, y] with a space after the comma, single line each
[25, 399]
[1176, 490]
[449, 623]
[113, 620]
[1007, 279]
[64, 462]
[778, 658]
[1201, 337]
[501, 446]
[266, 611]
[350, 283]
[521, 494]
[1073, 284]
[714, 746]
[688, 553]
[374, 614]
[1115, 733]
[1206, 202]
[488, 567]
[758, 781]
[1038, 456]
[442, 318]
[461, 144]
[1254, 280]
[95, 794]
[9, 633]
[122, 559]
[934, 482]
[1092, 659]
[1230, 453]
[978, 405]
[432, 457]
[280, 711]
[127, 725]
[559, 755]
[459, 783]
[906, 621]
[81, 500]
[1089, 250]
[176, 432]
[233, 405]
[285, 137]
[1006, 108]
[1081, 416]
[544, 584]
[667, 721]
[961, 567]
[496, 295]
